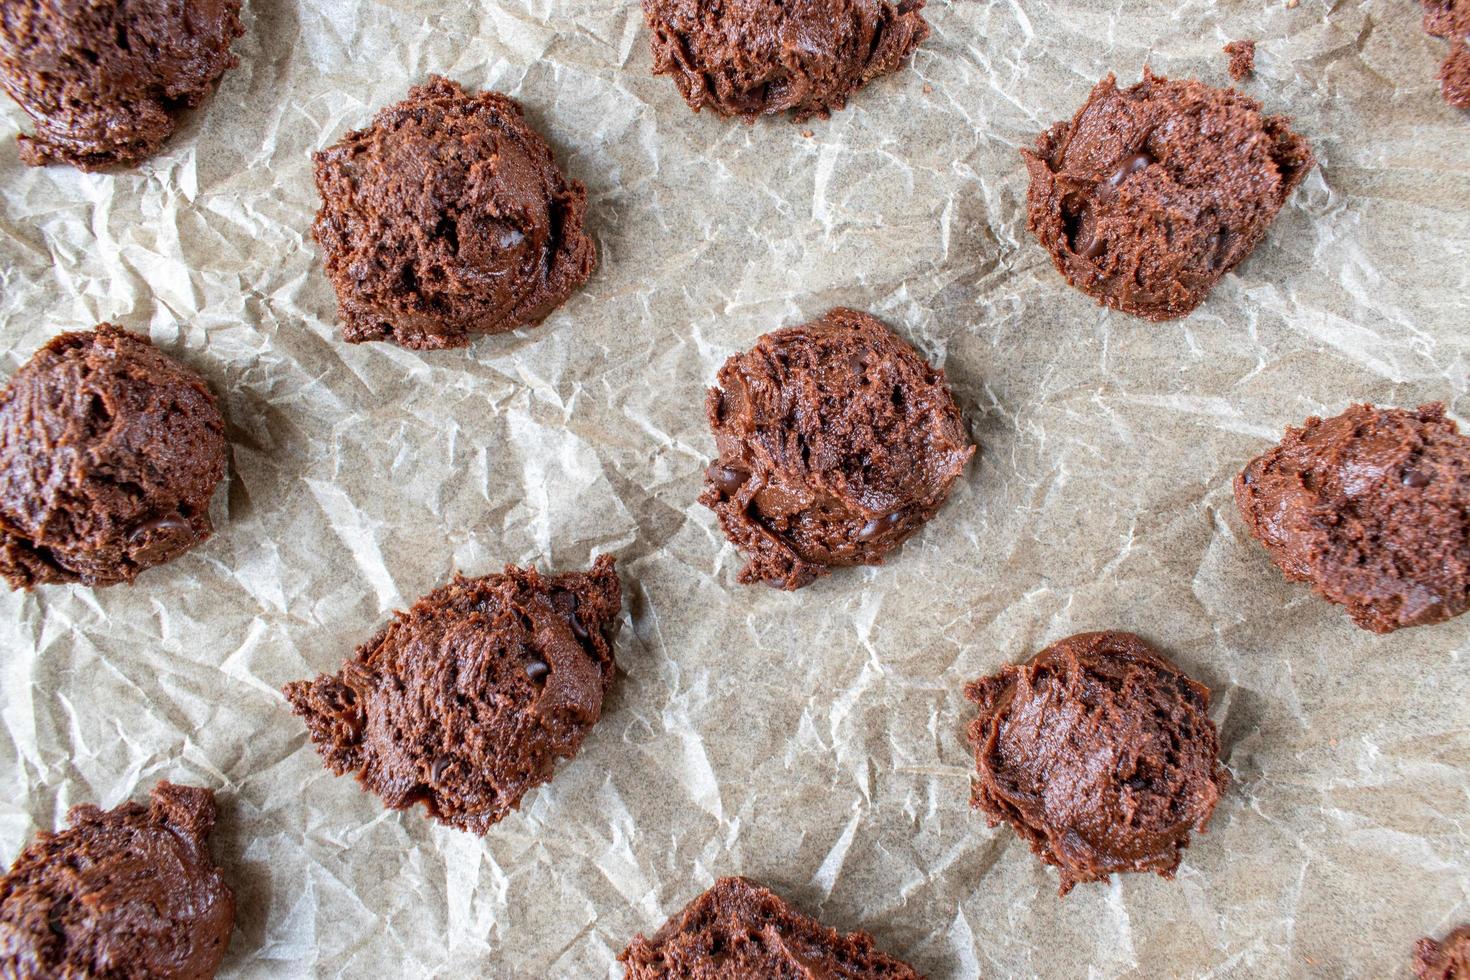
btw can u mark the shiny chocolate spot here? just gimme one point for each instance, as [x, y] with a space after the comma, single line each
[878, 525]
[1415, 479]
[167, 524]
[1248, 478]
[1107, 188]
[441, 763]
[578, 629]
[726, 479]
[537, 670]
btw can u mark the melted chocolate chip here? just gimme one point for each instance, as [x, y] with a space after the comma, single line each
[537, 670]
[578, 629]
[436, 772]
[726, 479]
[168, 523]
[1415, 479]
[1107, 188]
[878, 525]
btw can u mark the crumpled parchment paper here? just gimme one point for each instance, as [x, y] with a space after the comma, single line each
[811, 740]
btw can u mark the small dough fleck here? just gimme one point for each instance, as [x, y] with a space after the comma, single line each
[106, 80]
[126, 892]
[1448, 959]
[1100, 753]
[135, 447]
[1372, 507]
[738, 930]
[836, 442]
[465, 702]
[447, 218]
[1242, 58]
[1151, 194]
[1450, 19]
[752, 57]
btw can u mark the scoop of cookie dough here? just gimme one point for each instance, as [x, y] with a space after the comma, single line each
[738, 930]
[465, 702]
[1371, 507]
[836, 441]
[127, 892]
[1150, 194]
[1448, 959]
[446, 218]
[105, 80]
[748, 57]
[109, 453]
[1450, 19]
[1100, 753]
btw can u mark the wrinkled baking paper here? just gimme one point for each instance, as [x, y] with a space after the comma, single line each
[811, 740]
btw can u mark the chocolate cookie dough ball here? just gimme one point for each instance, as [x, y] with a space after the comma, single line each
[446, 218]
[1152, 193]
[748, 57]
[738, 930]
[1100, 753]
[127, 892]
[1450, 19]
[837, 442]
[465, 702]
[105, 80]
[109, 453]
[1448, 959]
[1371, 507]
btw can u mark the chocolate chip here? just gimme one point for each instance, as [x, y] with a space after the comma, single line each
[578, 629]
[726, 479]
[168, 523]
[436, 772]
[1107, 189]
[1415, 479]
[877, 525]
[1248, 478]
[537, 670]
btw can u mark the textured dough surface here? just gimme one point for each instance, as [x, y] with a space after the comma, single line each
[105, 80]
[1450, 19]
[738, 930]
[1372, 507]
[1100, 753]
[1150, 194]
[109, 453]
[836, 441]
[446, 218]
[1447, 959]
[127, 892]
[750, 57]
[465, 702]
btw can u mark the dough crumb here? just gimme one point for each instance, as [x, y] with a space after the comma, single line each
[1242, 58]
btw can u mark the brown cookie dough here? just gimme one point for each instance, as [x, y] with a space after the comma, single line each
[109, 453]
[105, 80]
[1371, 507]
[1242, 58]
[837, 442]
[465, 702]
[127, 892]
[447, 218]
[738, 930]
[748, 57]
[1152, 193]
[1100, 753]
[1448, 959]
[1450, 19]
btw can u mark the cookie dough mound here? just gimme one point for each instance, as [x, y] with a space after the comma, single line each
[1100, 753]
[1450, 19]
[738, 930]
[1152, 193]
[465, 702]
[837, 442]
[105, 80]
[748, 57]
[127, 892]
[446, 218]
[1448, 959]
[109, 453]
[1371, 507]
